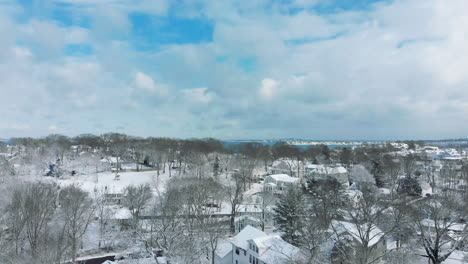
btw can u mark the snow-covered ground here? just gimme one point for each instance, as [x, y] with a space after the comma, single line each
[101, 181]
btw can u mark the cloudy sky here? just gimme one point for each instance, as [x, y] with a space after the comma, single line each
[314, 69]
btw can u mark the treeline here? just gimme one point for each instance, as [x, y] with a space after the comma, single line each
[116, 143]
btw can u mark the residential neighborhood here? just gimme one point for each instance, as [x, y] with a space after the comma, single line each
[234, 132]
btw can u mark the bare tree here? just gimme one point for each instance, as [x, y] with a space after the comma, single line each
[103, 212]
[166, 229]
[392, 169]
[235, 197]
[38, 208]
[450, 178]
[245, 166]
[409, 164]
[267, 200]
[15, 217]
[363, 218]
[136, 198]
[437, 221]
[76, 207]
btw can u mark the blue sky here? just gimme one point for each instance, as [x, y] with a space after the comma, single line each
[315, 69]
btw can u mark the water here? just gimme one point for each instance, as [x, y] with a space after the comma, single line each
[233, 144]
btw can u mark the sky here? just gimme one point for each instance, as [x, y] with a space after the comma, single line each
[263, 69]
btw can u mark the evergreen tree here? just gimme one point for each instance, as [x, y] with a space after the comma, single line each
[216, 167]
[409, 186]
[289, 212]
[346, 156]
[327, 197]
[378, 173]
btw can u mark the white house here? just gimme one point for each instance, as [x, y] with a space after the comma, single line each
[271, 249]
[223, 253]
[252, 246]
[279, 183]
[242, 221]
[288, 166]
[346, 231]
[338, 172]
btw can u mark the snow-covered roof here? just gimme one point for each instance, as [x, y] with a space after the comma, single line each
[339, 169]
[249, 232]
[273, 249]
[285, 163]
[109, 159]
[374, 237]
[162, 260]
[450, 226]
[246, 217]
[122, 214]
[322, 169]
[223, 248]
[249, 208]
[283, 178]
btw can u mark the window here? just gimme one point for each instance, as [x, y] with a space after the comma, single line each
[245, 253]
[237, 251]
[254, 260]
[250, 258]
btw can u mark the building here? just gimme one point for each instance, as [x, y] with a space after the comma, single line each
[223, 253]
[348, 236]
[288, 166]
[252, 246]
[322, 171]
[242, 221]
[279, 183]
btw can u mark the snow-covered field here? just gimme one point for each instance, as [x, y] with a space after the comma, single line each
[108, 180]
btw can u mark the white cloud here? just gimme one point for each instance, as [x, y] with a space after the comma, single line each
[268, 89]
[145, 83]
[393, 71]
[198, 95]
[15, 127]
[52, 128]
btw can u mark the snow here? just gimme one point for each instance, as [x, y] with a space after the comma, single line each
[249, 232]
[323, 169]
[283, 178]
[223, 248]
[457, 257]
[345, 227]
[273, 249]
[449, 226]
[246, 217]
[107, 180]
[122, 214]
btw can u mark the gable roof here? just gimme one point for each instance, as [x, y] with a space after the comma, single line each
[273, 249]
[223, 249]
[283, 178]
[375, 233]
[323, 169]
[249, 232]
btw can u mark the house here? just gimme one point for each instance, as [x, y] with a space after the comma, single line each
[322, 171]
[113, 198]
[252, 214]
[349, 236]
[288, 166]
[279, 183]
[223, 254]
[242, 221]
[113, 162]
[252, 246]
